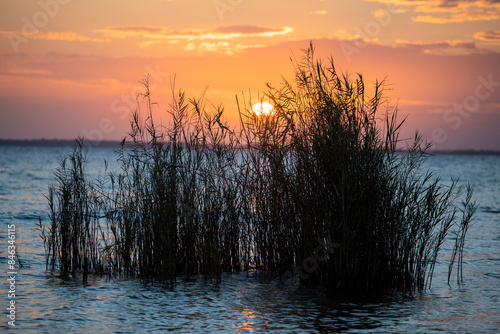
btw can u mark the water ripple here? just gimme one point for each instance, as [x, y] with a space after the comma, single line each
[246, 302]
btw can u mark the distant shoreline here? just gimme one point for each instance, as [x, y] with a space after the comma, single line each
[58, 143]
[117, 144]
[464, 152]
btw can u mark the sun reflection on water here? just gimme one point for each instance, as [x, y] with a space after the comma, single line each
[247, 323]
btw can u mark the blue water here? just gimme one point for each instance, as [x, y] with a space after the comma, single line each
[243, 303]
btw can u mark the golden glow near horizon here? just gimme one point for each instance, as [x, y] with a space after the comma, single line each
[262, 108]
[72, 68]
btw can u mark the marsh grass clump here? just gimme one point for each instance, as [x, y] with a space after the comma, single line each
[174, 208]
[319, 190]
[73, 237]
[329, 172]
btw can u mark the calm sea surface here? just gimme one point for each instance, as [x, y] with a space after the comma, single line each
[243, 302]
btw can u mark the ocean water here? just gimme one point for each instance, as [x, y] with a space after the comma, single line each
[243, 303]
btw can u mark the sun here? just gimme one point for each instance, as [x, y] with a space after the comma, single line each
[262, 108]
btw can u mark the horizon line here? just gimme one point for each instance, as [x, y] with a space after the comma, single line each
[43, 142]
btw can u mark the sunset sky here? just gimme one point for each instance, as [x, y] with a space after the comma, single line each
[71, 67]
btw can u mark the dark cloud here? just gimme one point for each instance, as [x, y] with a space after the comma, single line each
[448, 11]
[455, 3]
[442, 45]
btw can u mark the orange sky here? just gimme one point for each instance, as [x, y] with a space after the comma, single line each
[71, 67]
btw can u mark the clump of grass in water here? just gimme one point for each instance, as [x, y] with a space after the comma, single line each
[325, 172]
[72, 239]
[173, 209]
[199, 198]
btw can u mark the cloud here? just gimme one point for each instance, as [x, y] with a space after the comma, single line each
[354, 43]
[210, 47]
[18, 71]
[132, 31]
[218, 33]
[220, 47]
[444, 47]
[247, 29]
[68, 56]
[69, 36]
[319, 12]
[489, 36]
[449, 11]
[226, 39]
